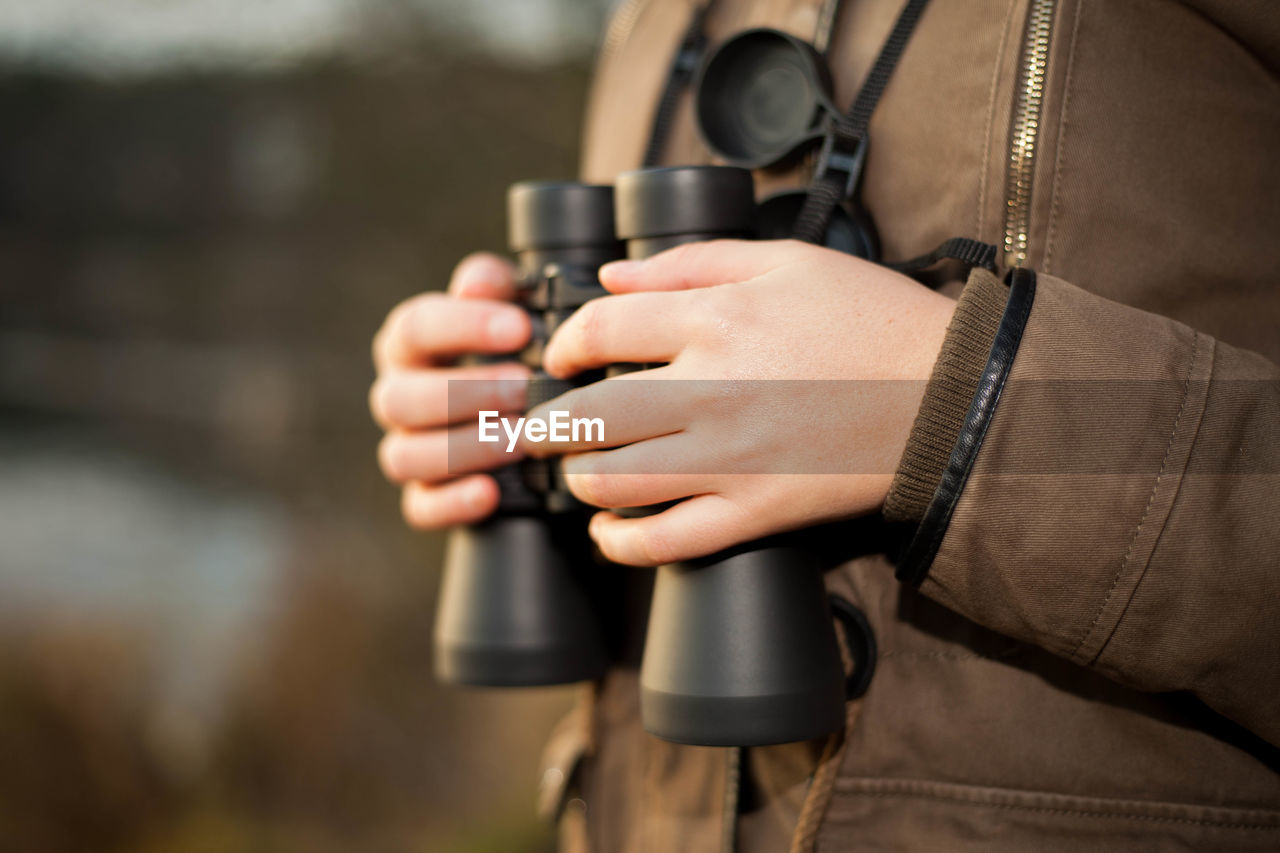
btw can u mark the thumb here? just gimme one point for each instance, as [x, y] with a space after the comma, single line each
[694, 265]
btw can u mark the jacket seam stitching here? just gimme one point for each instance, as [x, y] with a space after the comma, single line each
[944, 655]
[1151, 499]
[1055, 195]
[929, 795]
[1173, 503]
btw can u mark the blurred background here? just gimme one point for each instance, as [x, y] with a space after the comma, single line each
[214, 629]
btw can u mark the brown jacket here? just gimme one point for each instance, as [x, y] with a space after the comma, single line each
[1086, 652]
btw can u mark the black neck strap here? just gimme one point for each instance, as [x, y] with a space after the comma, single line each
[844, 150]
[683, 66]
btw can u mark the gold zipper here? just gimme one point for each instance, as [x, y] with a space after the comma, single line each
[1025, 130]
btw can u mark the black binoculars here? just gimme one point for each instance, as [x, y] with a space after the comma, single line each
[515, 608]
[740, 647]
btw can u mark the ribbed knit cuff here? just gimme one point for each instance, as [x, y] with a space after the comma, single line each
[947, 397]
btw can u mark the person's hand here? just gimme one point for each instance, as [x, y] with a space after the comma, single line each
[431, 439]
[750, 458]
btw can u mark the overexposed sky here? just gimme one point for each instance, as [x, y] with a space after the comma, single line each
[145, 36]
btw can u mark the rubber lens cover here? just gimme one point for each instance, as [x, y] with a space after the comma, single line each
[760, 97]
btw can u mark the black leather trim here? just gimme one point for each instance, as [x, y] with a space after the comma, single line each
[918, 556]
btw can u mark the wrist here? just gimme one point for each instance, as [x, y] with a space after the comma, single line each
[947, 397]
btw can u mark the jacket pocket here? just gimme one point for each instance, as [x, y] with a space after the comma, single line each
[909, 814]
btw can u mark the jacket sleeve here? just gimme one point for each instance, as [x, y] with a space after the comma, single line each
[1104, 483]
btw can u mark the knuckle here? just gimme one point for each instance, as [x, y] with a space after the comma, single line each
[691, 252]
[720, 318]
[654, 545]
[410, 316]
[591, 330]
[392, 336]
[380, 396]
[733, 394]
[732, 322]
[709, 395]
[396, 334]
[792, 249]
[393, 459]
[742, 453]
[569, 401]
[418, 509]
[486, 263]
[728, 311]
[420, 311]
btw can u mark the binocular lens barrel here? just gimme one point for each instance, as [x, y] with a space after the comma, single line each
[513, 607]
[512, 611]
[740, 648]
[657, 209]
[562, 223]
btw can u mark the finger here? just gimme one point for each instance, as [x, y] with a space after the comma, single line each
[439, 454]
[483, 275]
[696, 265]
[614, 412]
[432, 326]
[635, 327]
[692, 528]
[420, 399]
[642, 474]
[465, 501]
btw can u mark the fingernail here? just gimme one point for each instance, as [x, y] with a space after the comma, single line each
[476, 273]
[506, 327]
[468, 280]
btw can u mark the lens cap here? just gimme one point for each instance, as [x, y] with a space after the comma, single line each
[850, 230]
[760, 97]
[545, 215]
[684, 200]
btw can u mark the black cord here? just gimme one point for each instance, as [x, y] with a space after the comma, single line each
[970, 252]
[683, 66]
[848, 134]
[860, 115]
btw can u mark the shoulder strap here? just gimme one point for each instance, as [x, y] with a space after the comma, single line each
[840, 164]
[683, 66]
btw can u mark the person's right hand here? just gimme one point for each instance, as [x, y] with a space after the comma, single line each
[410, 397]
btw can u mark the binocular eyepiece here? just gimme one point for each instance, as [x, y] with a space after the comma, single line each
[740, 647]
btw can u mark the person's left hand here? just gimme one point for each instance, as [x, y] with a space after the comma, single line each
[750, 458]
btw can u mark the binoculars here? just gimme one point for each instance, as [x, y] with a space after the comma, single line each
[740, 647]
[515, 608]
